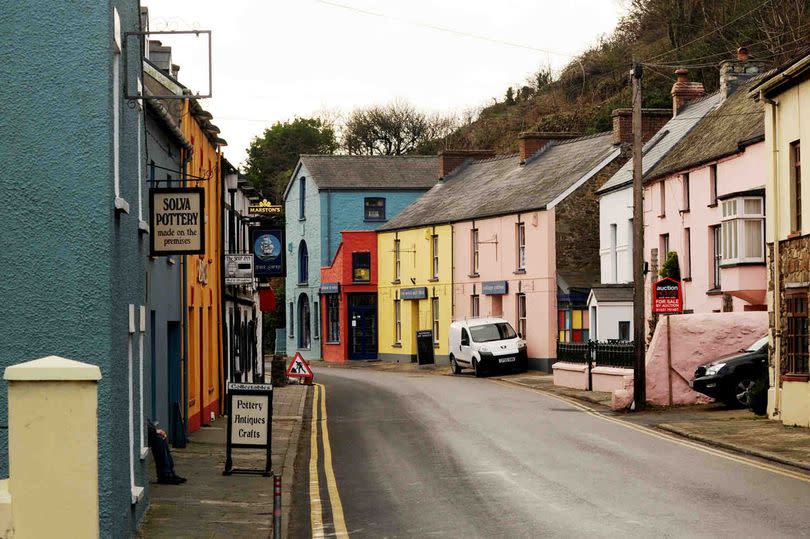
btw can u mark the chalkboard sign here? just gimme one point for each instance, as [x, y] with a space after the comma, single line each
[424, 347]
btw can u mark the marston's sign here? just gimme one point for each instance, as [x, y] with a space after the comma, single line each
[176, 221]
[264, 208]
[667, 296]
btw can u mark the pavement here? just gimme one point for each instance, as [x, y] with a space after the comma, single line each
[712, 424]
[213, 505]
[416, 455]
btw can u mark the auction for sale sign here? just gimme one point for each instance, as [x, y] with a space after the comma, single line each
[177, 221]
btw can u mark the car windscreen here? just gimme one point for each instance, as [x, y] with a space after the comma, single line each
[758, 344]
[492, 332]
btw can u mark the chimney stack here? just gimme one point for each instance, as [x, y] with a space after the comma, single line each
[161, 56]
[652, 120]
[450, 160]
[734, 73]
[684, 91]
[531, 142]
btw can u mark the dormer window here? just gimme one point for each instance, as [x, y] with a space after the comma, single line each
[743, 230]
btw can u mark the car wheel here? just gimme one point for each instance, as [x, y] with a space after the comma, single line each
[479, 372]
[454, 366]
[742, 392]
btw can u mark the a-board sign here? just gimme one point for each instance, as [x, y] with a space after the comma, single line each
[176, 221]
[300, 369]
[667, 296]
[424, 347]
[250, 423]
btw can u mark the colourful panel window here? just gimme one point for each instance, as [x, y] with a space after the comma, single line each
[567, 319]
[561, 319]
[577, 319]
[562, 336]
[585, 335]
[586, 322]
[577, 335]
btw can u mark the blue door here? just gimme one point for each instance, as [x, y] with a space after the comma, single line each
[362, 326]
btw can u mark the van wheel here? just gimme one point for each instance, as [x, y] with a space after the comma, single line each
[454, 365]
[479, 372]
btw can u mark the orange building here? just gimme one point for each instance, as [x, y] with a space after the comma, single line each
[203, 374]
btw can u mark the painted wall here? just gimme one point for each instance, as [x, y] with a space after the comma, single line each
[741, 172]
[416, 271]
[605, 323]
[344, 210]
[616, 208]
[340, 271]
[307, 229]
[497, 239]
[204, 312]
[72, 266]
[164, 288]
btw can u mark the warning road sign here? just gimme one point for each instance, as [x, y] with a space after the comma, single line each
[300, 369]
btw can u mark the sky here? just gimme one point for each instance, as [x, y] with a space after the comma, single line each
[274, 60]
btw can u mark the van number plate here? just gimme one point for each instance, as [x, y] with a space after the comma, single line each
[506, 359]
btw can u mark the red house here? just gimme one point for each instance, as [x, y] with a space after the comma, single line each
[349, 299]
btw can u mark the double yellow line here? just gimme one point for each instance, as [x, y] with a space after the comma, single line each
[316, 507]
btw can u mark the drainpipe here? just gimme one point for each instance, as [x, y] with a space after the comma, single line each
[777, 281]
[184, 313]
[222, 321]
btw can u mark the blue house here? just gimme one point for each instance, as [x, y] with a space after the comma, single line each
[75, 239]
[326, 195]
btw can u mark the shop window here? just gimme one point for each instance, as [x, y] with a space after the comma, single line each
[743, 230]
[475, 305]
[361, 267]
[374, 209]
[434, 309]
[796, 336]
[521, 315]
[397, 321]
[333, 318]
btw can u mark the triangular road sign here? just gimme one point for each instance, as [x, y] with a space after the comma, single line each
[299, 368]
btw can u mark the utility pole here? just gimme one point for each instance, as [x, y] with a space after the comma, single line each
[639, 370]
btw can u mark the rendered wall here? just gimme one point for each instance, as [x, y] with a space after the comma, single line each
[607, 319]
[416, 271]
[616, 208]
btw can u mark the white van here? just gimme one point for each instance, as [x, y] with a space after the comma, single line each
[483, 344]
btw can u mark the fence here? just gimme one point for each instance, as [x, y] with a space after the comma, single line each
[603, 354]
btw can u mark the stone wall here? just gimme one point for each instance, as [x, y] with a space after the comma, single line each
[794, 267]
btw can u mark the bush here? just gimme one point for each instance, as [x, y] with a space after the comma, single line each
[671, 268]
[759, 397]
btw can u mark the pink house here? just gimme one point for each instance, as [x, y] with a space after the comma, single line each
[705, 201]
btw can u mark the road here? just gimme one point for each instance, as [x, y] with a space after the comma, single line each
[439, 456]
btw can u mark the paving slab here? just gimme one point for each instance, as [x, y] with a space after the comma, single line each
[213, 505]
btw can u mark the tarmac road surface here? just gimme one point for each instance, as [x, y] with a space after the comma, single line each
[441, 456]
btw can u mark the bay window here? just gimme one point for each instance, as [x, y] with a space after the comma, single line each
[743, 230]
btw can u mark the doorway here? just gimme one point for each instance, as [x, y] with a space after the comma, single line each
[175, 385]
[362, 314]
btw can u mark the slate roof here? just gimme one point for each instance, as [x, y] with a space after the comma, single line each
[738, 121]
[501, 185]
[405, 172]
[613, 292]
[662, 142]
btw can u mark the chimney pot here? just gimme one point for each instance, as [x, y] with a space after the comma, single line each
[742, 54]
[683, 74]
[684, 91]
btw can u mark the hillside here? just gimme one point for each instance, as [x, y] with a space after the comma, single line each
[664, 35]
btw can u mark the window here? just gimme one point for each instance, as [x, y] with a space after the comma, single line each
[361, 267]
[302, 197]
[333, 318]
[614, 255]
[397, 265]
[465, 337]
[630, 274]
[717, 255]
[713, 185]
[687, 253]
[796, 185]
[374, 209]
[474, 251]
[573, 325]
[662, 192]
[521, 246]
[521, 315]
[743, 230]
[303, 322]
[624, 330]
[797, 332]
[397, 321]
[290, 324]
[316, 327]
[475, 305]
[434, 251]
[434, 309]
[685, 191]
[303, 263]
[663, 246]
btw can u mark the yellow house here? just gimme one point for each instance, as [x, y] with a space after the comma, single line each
[786, 95]
[203, 373]
[415, 289]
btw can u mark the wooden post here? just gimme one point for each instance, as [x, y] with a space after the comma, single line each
[669, 361]
[639, 370]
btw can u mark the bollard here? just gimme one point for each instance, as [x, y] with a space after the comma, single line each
[276, 507]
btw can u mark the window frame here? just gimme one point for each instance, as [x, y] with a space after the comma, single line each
[474, 251]
[434, 255]
[333, 318]
[316, 322]
[662, 198]
[355, 266]
[475, 305]
[291, 328]
[716, 255]
[624, 325]
[434, 311]
[735, 241]
[797, 358]
[520, 263]
[366, 208]
[687, 253]
[398, 321]
[713, 185]
[520, 304]
[303, 263]
[397, 260]
[685, 192]
[795, 187]
[302, 198]
[614, 252]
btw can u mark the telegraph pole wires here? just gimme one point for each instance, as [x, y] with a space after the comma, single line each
[639, 367]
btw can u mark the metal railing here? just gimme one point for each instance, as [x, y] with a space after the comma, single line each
[601, 354]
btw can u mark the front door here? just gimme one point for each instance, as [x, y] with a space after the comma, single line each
[362, 326]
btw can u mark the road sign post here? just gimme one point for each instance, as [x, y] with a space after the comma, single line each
[250, 424]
